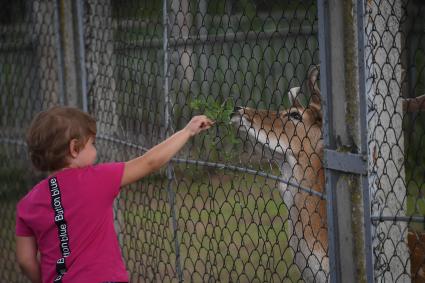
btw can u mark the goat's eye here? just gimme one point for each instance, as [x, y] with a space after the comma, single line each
[296, 116]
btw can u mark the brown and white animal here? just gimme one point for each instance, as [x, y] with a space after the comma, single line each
[294, 136]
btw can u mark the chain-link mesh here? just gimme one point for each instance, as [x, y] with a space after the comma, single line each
[212, 215]
[395, 57]
[29, 82]
[244, 201]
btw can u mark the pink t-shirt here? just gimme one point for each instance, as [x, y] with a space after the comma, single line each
[87, 196]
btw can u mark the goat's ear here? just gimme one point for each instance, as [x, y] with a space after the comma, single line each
[293, 95]
[315, 101]
[313, 86]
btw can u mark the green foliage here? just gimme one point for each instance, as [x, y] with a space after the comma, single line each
[225, 136]
[219, 112]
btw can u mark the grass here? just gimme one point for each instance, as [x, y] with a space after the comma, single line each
[230, 227]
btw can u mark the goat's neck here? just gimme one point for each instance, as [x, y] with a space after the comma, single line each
[304, 170]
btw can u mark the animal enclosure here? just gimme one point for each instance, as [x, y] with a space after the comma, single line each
[316, 153]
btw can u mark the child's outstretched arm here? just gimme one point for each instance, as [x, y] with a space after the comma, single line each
[160, 154]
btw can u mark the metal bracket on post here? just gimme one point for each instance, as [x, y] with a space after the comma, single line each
[345, 162]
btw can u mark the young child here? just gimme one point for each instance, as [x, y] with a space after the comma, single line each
[68, 218]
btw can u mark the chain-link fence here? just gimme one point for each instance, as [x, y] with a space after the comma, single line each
[395, 57]
[205, 217]
[245, 201]
[29, 82]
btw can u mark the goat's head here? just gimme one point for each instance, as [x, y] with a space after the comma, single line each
[293, 132]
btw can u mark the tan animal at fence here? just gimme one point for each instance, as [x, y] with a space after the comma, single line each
[294, 136]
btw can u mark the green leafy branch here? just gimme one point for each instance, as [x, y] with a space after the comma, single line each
[221, 114]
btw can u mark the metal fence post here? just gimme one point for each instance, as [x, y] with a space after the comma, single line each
[70, 22]
[66, 28]
[58, 45]
[168, 127]
[82, 74]
[326, 86]
[363, 132]
[344, 158]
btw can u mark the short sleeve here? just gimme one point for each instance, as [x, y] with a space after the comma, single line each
[107, 177]
[22, 229]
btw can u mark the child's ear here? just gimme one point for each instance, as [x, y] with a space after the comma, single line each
[73, 148]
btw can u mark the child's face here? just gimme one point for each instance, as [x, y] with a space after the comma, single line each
[87, 155]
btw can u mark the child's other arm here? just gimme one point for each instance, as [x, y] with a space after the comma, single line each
[26, 253]
[160, 154]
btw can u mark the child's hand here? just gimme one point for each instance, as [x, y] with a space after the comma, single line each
[198, 124]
